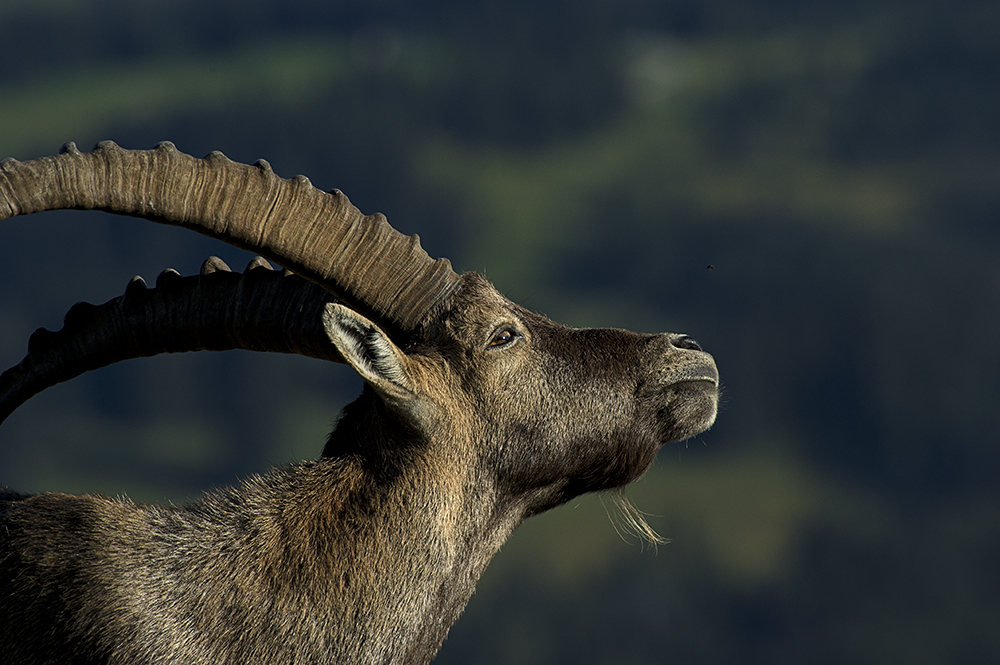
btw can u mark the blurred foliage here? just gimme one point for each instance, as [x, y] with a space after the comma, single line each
[836, 164]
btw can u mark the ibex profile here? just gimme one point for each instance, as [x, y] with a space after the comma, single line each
[475, 415]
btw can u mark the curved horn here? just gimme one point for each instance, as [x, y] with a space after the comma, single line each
[318, 235]
[259, 310]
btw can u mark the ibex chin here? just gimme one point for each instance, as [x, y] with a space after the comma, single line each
[476, 414]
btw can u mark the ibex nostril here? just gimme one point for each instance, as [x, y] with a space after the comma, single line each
[685, 342]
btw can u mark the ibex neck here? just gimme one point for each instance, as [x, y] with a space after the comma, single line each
[384, 565]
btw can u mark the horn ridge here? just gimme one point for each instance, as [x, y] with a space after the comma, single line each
[318, 235]
[258, 310]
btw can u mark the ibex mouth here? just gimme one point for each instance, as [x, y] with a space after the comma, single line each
[705, 381]
[691, 394]
[697, 370]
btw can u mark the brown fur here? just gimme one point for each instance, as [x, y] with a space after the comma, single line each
[483, 416]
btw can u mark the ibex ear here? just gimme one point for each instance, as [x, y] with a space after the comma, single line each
[369, 351]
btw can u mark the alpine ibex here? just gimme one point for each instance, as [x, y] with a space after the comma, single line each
[475, 415]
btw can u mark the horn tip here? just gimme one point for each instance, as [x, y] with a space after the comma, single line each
[258, 262]
[40, 339]
[166, 278]
[107, 146]
[135, 286]
[214, 264]
[78, 315]
[216, 156]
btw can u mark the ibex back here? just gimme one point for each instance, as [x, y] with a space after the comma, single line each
[475, 415]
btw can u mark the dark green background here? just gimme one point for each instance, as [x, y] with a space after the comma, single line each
[837, 163]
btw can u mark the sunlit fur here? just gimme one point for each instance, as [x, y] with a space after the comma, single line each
[478, 418]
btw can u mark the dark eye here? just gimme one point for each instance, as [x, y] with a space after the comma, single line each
[503, 338]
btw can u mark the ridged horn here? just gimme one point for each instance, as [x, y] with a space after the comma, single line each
[259, 310]
[318, 235]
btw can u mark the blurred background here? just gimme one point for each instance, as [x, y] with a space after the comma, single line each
[836, 164]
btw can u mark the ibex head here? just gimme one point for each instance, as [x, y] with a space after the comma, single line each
[476, 410]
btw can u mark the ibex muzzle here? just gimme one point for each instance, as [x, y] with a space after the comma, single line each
[475, 415]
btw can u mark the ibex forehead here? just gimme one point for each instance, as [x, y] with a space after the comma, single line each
[477, 303]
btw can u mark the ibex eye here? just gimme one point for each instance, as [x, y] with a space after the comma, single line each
[503, 338]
